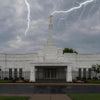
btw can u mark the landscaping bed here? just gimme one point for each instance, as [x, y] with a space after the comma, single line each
[93, 81]
[86, 81]
[14, 81]
[5, 81]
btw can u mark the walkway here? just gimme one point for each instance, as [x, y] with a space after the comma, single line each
[43, 96]
[50, 97]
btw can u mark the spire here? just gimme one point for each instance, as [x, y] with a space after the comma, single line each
[50, 18]
[50, 37]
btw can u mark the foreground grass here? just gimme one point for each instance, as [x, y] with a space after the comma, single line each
[93, 81]
[84, 96]
[14, 98]
[5, 81]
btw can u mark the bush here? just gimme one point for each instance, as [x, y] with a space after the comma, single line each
[89, 78]
[95, 78]
[84, 78]
[10, 78]
[5, 78]
[26, 80]
[16, 78]
[19, 81]
[22, 78]
[80, 81]
[78, 78]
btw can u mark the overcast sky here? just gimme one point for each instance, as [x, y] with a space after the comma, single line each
[79, 29]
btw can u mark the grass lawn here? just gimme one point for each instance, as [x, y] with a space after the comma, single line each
[93, 81]
[5, 81]
[14, 98]
[85, 96]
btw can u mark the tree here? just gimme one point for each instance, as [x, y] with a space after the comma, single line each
[69, 50]
[96, 69]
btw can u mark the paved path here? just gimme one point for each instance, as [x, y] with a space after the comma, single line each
[50, 97]
[42, 96]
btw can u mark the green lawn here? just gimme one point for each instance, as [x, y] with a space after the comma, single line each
[14, 98]
[93, 81]
[5, 81]
[85, 96]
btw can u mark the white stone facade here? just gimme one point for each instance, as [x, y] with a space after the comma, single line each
[26, 61]
[49, 56]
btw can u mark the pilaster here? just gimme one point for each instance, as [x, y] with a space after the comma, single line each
[32, 74]
[69, 73]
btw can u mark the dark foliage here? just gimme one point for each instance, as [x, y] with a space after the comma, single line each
[69, 50]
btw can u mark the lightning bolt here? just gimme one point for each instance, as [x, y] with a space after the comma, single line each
[28, 16]
[74, 8]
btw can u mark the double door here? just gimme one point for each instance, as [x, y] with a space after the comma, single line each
[50, 74]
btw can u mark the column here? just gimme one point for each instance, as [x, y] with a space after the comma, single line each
[32, 74]
[13, 73]
[18, 72]
[69, 74]
[86, 73]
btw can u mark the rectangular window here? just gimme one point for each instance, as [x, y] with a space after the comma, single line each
[20, 72]
[10, 73]
[15, 73]
[89, 73]
[80, 71]
[84, 73]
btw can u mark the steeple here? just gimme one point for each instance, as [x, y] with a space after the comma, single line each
[50, 18]
[50, 37]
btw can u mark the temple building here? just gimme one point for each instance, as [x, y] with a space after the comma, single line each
[48, 64]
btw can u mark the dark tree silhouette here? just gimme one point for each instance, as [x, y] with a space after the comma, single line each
[69, 50]
[96, 69]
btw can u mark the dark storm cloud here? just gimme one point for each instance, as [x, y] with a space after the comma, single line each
[79, 29]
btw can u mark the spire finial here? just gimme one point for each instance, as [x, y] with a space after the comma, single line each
[50, 18]
[50, 38]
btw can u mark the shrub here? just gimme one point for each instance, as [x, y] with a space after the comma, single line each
[26, 80]
[89, 78]
[10, 78]
[5, 78]
[78, 78]
[22, 78]
[84, 78]
[19, 81]
[16, 78]
[95, 78]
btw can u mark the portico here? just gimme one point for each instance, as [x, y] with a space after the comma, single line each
[51, 72]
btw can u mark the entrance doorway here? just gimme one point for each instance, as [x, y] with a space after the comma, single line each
[50, 74]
